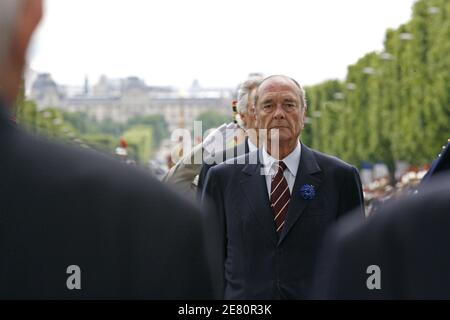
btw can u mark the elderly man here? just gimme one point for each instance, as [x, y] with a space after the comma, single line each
[78, 225]
[189, 176]
[271, 225]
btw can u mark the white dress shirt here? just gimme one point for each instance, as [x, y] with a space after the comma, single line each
[292, 162]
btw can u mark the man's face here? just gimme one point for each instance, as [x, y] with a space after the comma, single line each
[29, 15]
[279, 107]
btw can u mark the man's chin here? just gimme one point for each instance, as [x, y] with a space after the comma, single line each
[282, 139]
[281, 130]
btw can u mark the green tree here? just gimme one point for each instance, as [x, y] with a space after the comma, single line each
[156, 122]
[139, 141]
[102, 142]
[212, 119]
[393, 105]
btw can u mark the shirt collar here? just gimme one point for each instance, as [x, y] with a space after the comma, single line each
[291, 161]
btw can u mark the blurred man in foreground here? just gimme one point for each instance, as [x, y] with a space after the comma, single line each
[78, 225]
[401, 252]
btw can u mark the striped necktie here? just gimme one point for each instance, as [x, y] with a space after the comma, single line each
[280, 197]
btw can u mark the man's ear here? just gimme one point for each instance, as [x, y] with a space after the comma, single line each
[256, 117]
[28, 18]
[304, 110]
[244, 118]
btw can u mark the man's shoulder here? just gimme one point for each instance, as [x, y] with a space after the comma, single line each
[226, 155]
[404, 220]
[239, 163]
[55, 158]
[59, 168]
[234, 166]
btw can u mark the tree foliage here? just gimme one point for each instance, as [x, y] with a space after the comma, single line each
[139, 141]
[394, 105]
[212, 119]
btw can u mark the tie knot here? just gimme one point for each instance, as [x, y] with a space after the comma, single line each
[281, 165]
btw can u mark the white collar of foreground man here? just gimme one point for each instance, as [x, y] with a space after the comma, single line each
[291, 161]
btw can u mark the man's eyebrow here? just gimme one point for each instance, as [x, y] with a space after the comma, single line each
[267, 100]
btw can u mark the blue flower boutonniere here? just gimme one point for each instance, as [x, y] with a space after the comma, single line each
[308, 192]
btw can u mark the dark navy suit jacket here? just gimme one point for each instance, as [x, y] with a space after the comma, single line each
[257, 263]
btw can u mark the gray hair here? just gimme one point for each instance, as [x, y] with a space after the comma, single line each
[301, 91]
[242, 99]
[244, 91]
[8, 14]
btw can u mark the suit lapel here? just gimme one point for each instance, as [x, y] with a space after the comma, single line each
[308, 173]
[254, 187]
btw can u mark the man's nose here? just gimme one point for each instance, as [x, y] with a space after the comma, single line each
[279, 112]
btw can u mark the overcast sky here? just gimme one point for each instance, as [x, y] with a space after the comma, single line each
[218, 42]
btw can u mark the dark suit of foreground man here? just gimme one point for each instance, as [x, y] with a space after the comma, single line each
[269, 246]
[59, 207]
[408, 241]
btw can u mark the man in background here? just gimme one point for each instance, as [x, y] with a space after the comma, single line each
[189, 176]
[77, 225]
[246, 120]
